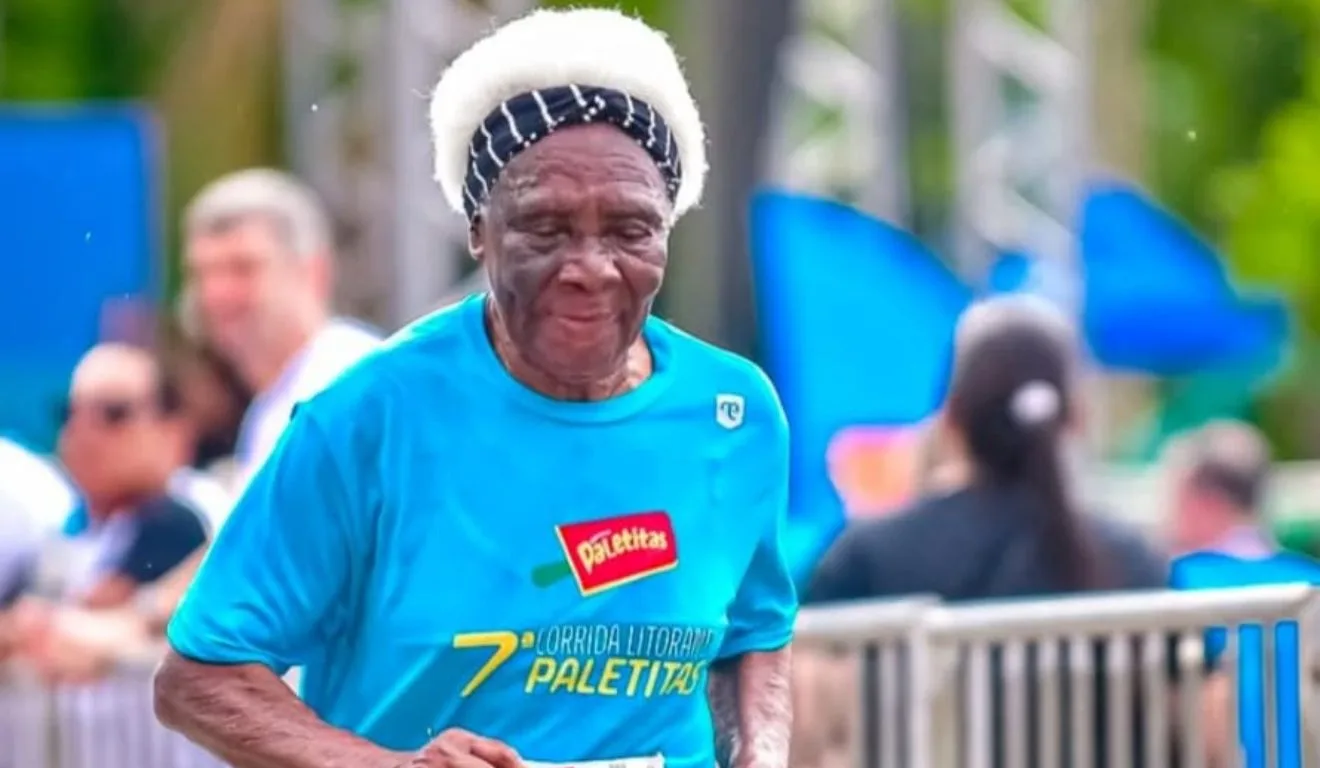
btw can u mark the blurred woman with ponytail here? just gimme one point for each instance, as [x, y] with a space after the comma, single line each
[1015, 525]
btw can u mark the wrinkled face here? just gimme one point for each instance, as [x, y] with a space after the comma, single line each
[114, 433]
[575, 242]
[245, 281]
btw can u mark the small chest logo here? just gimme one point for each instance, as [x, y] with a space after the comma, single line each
[729, 410]
[603, 554]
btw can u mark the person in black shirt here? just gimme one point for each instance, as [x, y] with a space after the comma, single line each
[1016, 528]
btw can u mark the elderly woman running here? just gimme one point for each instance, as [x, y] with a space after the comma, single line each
[538, 523]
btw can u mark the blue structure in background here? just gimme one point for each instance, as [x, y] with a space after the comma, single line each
[78, 228]
[856, 316]
[852, 313]
[1212, 570]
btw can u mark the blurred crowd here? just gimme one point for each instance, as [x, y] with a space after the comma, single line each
[98, 545]
[1001, 517]
[157, 438]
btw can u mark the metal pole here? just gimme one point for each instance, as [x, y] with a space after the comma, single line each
[416, 268]
[410, 252]
[843, 57]
[887, 194]
[1020, 174]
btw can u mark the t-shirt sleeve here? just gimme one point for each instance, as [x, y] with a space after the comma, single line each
[269, 589]
[765, 607]
[166, 537]
[842, 572]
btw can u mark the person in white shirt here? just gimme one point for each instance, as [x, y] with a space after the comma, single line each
[259, 280]
[37, 484]
[35, 499]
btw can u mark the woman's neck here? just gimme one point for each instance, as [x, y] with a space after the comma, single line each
[636, 367]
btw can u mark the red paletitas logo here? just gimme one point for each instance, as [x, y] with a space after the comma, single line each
[609, 553]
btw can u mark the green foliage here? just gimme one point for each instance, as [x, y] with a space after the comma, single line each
[1218, 70]
[1232, 121]
[51, 50]
[57, 50]
[1272, 205]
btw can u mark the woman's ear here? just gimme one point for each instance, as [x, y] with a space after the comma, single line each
[476, 239]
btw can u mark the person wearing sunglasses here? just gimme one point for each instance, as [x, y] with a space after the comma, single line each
[123, 437]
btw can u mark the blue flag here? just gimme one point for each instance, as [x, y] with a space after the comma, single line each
[857, 320]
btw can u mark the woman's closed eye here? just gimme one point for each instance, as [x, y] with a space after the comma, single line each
[545, 230]
[633, 231]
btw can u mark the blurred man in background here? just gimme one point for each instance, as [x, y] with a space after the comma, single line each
[1219, 475]
[259, 286]
[259, 281]
[123, 438]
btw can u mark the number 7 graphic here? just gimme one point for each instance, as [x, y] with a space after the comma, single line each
[505, 644]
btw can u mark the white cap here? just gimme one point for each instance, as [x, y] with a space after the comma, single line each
[547, 49]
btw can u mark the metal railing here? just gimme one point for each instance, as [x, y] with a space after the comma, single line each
[1015, 683]
[940, 686]
[105, 724]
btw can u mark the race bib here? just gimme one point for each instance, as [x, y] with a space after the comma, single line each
[655, 761]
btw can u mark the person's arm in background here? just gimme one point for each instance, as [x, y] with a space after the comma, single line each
[260, 604]
[1219, 726]
[76, 643]
[83, 642]
[750, 683]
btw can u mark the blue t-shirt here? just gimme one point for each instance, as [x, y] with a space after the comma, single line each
[439, 546]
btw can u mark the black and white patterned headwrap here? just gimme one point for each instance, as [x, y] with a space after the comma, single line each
[525, 119]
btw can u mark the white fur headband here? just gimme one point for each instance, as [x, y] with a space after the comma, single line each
[547, 49]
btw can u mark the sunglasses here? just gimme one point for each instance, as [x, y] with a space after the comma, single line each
[110, 413]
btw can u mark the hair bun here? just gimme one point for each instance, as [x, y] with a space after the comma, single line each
[1035, 403]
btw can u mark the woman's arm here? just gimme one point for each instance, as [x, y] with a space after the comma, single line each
[249, 718]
